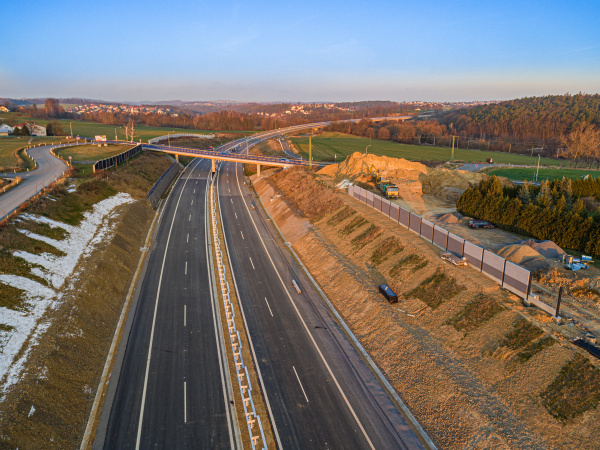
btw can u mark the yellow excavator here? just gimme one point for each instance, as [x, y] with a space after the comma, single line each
[384, 185]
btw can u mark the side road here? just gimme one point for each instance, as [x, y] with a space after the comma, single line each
[48, 169]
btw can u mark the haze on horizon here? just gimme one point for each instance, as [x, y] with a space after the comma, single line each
[306, 51]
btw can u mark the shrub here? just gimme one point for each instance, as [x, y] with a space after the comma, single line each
[388, 247]
[475, 313]
[436, 289]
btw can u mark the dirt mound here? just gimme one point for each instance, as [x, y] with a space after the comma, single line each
[449, 184]
[450, 217]
[359, 164]
[547, 249]
[518, 253]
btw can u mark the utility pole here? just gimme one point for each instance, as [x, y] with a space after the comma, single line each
[538, 168]
[452, 156]
[310, 150]
[71, 125]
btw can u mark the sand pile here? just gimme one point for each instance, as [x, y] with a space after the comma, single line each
[449, 184]
[359, 164]
[524, 256]
[450, 217]
[547, 249]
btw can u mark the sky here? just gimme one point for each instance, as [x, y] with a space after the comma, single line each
[131, 50]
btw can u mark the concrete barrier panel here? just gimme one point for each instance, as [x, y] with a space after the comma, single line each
[370, 197]
[474, 255]
[456, 244]
[493, 266]
[377, 202]
[385, 206]
[363, 195]
[427, 230]
[516, 279]
[404, 217]
[351, 190]
[415, 223]
[394, 212]
[440, 237]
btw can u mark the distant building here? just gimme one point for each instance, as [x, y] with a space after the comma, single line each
[34, 129]
[5, 130]
[4, 109]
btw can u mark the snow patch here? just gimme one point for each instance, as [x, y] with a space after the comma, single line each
[28, 326]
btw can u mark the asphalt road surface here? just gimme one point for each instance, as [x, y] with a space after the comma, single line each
[48, 169]
[168, 388]
[320, 392]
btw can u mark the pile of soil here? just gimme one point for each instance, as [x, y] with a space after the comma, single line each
[449, 184]
[359, 164]
[450, 218]
[547, 249]
[524, 256]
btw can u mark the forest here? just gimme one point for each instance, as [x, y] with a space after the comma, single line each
[564, 211]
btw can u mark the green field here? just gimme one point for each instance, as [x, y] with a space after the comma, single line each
[91, 152]
[528, 173]
[325, 146]
[9, 144]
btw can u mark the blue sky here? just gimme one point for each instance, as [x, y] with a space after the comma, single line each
[301, 51]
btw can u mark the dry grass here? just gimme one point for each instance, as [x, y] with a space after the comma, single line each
[367, 236]
[522, 334]
[416, 262]
[44, 229]
[436, 289]
[12, 298]
[533, 349]
[574, 391]
[13, 239]
[354, 224]
[341, 215]
[389, 247]
[476, 313]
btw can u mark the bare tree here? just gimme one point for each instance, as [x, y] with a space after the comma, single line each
[582, 142]
[129, 130]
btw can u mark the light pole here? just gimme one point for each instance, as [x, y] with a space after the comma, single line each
[169, 138]
[538, 168]
[367, 149]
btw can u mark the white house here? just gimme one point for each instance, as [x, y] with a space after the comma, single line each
[5, 130]
[36, 130]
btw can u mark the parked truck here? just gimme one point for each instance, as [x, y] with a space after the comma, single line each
[391, 191]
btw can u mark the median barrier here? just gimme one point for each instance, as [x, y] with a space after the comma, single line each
[162, 184]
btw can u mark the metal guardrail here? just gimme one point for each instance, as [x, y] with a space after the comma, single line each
[158, 189]
[243, 378]
[117, 159]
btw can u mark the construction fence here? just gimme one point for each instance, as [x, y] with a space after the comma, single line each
[509, 275]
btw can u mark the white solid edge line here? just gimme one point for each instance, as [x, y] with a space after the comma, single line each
[234, 432]
[300, 383]
[139, 432]
[256, 366]
[304, 323]
[185, 315]
[184, 402]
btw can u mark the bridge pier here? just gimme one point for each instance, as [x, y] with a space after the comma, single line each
[258, 170]
[212, 169]
[176, 157]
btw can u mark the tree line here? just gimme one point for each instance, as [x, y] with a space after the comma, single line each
[551, 211]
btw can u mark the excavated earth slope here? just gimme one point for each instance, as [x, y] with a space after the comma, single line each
[477, 369]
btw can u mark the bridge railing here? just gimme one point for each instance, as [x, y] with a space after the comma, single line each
[178, 135]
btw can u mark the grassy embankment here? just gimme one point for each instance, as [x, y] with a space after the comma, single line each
[82, 324]
[328, 144]
[9, 159]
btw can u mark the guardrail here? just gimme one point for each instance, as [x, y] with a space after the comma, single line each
[243, 378]
[509, 275]
[195, 135]
[117, 159]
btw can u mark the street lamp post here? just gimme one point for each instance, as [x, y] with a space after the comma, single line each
[367, 149]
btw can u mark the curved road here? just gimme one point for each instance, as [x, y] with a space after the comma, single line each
[48, 169]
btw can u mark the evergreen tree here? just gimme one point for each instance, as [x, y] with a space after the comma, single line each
[524, 194]
[544, 199]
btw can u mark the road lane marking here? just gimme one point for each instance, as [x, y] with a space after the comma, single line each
[187, 239]
[185, 315]
[269, 306]
[184, 402]
[300, 383]
[252, 263]
[194, 191]
[231, 201]
[340, 390]
[242, 234]
[190, 218]
[139, 431]
[192, 202]
[186, 268]
[235, 214]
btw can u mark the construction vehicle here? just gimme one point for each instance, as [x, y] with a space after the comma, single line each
[391, 191]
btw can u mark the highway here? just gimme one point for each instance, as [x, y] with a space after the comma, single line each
[321, 393]
[48, 169]
[168, 387]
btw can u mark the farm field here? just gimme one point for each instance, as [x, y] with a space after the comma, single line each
[91, 152]
[9, 144]
[91, 129]
[528, 173]
[325, 146]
